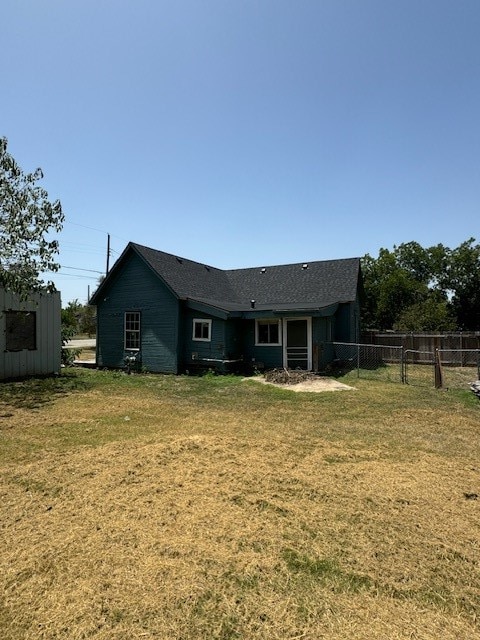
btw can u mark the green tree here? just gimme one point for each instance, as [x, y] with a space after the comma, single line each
[390, 288]
[79, 318]
[423, 289]
[429, 315]
[415, 260]
[88, 320]
[26, 220]
[71, 314]
[463, 280]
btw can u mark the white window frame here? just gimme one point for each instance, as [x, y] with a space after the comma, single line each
[276, 321]
[134, 331]
[202, 321]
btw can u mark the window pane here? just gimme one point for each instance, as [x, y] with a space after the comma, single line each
[132, 330]
[202, 330]
[268, 332]
[263, 333]
[132, 340]
[274, 333]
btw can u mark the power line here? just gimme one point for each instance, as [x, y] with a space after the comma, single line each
[64, 266]
[61, 274]
[77, 224]
[84, 226]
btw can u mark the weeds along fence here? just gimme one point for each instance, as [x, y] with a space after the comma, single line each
[459, 367]
[443, 368]
[447, 368]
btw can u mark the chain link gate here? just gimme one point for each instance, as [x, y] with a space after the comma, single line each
[419, 368]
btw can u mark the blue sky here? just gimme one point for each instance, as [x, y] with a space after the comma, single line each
[246, 132]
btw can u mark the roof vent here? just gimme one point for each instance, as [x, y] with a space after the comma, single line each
[263, 270]
[207, 268]
[304, 266]
[180, 260]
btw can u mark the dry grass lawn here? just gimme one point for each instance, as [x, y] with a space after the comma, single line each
[156, 507]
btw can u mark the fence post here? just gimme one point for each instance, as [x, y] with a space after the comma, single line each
[402, 365]
[438, 371]
[358, 360]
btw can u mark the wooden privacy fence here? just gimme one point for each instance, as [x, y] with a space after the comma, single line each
[425, 342]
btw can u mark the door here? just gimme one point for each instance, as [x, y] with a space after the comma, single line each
[297, 340]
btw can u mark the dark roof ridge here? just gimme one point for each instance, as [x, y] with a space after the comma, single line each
[259, 266]
[173, 255]
[294, 264]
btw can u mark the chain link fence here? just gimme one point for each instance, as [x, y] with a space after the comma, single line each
[371, 361]
[459, 367]
[447, 368]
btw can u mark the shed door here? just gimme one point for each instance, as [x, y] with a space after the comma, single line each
[298, 343]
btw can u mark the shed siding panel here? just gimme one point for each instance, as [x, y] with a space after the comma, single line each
[45, 359]
[136, 288]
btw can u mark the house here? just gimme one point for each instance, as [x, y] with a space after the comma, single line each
[176, 315]
[30, 334]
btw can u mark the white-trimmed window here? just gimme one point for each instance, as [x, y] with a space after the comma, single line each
[267, 332]
[132, 330]
[202, 329]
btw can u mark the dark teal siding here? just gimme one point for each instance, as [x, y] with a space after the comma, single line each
[198, 353]
[167, 343]
[347, 323]
[136, 288]
[320, 334]
[265, 356]
[234, 339]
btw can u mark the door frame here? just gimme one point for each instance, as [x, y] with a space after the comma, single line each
[308, 320]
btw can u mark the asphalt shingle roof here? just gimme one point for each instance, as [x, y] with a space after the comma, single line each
[291, 286]
[188, 279]
[321, 282]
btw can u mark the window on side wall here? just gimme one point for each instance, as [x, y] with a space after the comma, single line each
[21, 330]
[132, 330]
[267, 332]
[202, 330]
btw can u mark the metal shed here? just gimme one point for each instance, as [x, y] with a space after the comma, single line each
[30, 334]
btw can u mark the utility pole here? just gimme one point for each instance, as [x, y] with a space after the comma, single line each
[108, 254]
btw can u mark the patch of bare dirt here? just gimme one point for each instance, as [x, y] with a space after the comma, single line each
[301, 381]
